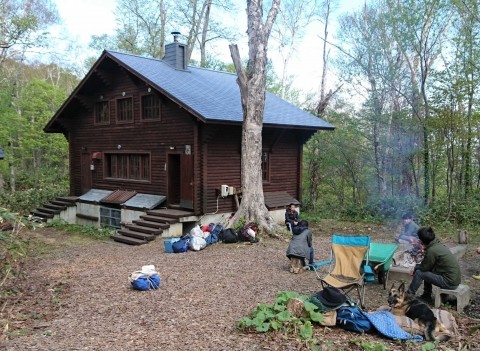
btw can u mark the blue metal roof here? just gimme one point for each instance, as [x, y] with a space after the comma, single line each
[212, 95]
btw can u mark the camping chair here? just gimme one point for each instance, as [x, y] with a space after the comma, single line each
[346, 272]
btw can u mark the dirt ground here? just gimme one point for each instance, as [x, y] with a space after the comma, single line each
[74, 295]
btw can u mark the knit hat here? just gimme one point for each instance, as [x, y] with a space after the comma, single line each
[329, 298]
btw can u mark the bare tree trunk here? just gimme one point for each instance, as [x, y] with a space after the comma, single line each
[252, 83]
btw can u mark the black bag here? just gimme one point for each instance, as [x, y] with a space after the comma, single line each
[229, 236]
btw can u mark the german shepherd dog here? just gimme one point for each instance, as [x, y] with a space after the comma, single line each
[404, 304]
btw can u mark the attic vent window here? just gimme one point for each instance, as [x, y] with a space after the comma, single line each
[102, 112]
[151, 107]
[125, 110]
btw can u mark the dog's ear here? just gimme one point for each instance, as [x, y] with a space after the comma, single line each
[401, 288]
[393, 286]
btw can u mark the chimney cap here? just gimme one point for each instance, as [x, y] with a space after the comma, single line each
[175, 34]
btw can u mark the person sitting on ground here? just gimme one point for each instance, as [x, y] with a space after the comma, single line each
[291, 217]
[439, 267]
[300, 247]
[408, 235]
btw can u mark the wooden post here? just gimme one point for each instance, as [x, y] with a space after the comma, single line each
[462, 236]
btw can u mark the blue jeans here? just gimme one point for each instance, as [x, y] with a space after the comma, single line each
[428, 279]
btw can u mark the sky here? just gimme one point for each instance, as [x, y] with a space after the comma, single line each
[82, 19]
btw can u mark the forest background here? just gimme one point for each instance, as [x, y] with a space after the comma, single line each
[398, 78]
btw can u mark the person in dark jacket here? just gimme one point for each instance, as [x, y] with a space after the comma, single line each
[291, 217]
[409, 233]
[439, 267]
[300, 247]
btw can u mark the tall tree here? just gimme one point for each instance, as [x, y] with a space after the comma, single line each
[294, 16]
[142, 26]
[252, 82]
[23, 24]
[420, 28]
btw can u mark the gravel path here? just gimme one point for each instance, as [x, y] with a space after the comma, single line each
[77, 297]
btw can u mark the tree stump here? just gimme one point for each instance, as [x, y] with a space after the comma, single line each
[462, 236]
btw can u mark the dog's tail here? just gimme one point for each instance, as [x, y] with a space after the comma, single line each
[441, 332]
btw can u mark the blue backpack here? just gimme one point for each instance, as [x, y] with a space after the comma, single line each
[146, 282]
[353, 319]
[214, 234]
[181, 245]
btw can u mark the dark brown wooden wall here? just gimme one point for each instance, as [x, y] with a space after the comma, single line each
[176, 128]
[223, 161]
[216, 148]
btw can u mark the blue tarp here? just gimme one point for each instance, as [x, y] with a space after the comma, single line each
[1, 154]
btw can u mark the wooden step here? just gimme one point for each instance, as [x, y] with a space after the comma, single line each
[135, 235]
[156, 225]
[55, 207]
[170, 213]
[68, 199]
[128, 240]
[62, 203]
[41, 214]
[159, 219]
[48, 210]
[141, 229]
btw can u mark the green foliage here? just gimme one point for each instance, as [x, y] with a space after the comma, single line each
[13, 246]
[88, 230]
[24, 201]
[276, 317]
[428, 346]
[369, 345]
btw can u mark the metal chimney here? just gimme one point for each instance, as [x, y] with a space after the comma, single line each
[175, 34]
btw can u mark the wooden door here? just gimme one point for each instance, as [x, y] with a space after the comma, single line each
[85, 172]
[180, 180]
[186, 181]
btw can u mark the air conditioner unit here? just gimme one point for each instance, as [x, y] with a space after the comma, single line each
[231, 190]
[224, 190]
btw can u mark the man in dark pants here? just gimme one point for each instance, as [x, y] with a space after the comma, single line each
[439, 267]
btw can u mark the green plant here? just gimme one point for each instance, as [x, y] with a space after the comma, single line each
[13, 247]
[369, 345]
[81, 229]
[277, 317]
[429, 346]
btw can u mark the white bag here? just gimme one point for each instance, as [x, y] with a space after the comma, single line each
[197, 243]
[197, 232]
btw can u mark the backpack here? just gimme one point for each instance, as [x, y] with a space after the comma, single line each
[181, 245]
[215, 234]
[353, 319]
[229, 236]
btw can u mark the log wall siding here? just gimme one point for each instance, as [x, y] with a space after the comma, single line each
[216, 148]
[176, 128]
[223, 159]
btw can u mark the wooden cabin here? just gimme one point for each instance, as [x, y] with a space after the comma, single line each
[150, 135]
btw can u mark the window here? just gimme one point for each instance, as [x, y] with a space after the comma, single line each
[110, 217]
[125, 110]
[102, 112]
[151, 107]
[265, 166]
[128, 166]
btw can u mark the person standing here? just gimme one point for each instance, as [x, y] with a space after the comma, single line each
[439, 267]
[300, 247]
